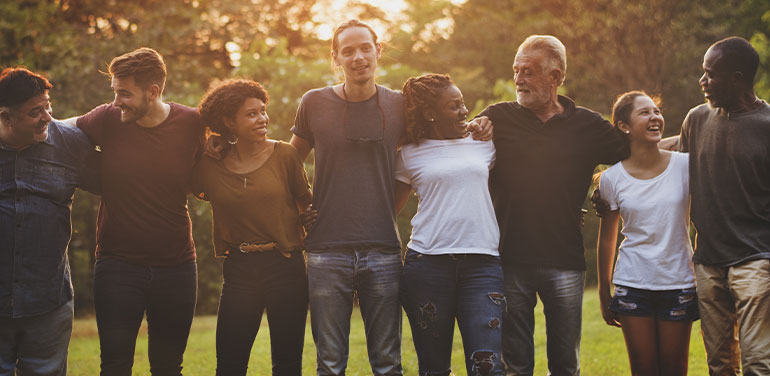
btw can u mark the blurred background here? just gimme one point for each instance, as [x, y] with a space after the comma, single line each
[612, 46]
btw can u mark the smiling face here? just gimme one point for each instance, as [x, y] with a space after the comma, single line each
[134, 102]
[535, 85]
[717, 81]
[27, 123]
[646, 122]
[250, 121]
[448, 113]
[357, 54]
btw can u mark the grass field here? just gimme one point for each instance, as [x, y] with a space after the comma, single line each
[603, 351]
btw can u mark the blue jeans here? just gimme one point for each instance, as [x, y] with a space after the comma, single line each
[436, 289]
[373, 274]
[123, 293]
[561, 292]
[36, 345]
[255, 283]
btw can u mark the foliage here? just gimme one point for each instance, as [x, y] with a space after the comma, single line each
[612, 46]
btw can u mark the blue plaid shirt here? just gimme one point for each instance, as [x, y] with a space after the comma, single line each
[36, 189]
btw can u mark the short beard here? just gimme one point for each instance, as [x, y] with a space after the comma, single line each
[138, 112]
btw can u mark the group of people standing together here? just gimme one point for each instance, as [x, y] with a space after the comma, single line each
[498, 221]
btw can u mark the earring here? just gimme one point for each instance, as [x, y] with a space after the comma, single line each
[431, 120]
[231, 141]
[627, 132]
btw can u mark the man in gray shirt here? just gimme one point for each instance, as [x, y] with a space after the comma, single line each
[353, 247]
[729, 144]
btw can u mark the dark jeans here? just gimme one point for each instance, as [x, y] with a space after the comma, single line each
[561, 292]
[123, 293]
[253, 283]
[436, 290]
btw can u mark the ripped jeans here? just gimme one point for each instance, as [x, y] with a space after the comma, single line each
[436, 289]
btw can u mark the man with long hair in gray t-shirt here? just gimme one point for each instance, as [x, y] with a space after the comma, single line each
[353, 247]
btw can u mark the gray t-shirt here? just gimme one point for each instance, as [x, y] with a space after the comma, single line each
[729, 183]
[355, 156]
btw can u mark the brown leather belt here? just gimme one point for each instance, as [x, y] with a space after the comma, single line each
[263, 247]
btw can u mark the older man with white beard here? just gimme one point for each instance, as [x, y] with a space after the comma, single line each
[547, 149]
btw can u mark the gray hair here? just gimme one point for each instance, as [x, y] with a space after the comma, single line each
[556, 54]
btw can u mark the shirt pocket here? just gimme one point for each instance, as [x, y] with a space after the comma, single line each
[54, 182]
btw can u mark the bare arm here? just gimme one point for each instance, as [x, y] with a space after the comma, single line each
[402, 195]
[608, 236]
[303, 146]
[669, 143]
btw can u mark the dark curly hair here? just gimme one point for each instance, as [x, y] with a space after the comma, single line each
[419, 95]
[223, 101]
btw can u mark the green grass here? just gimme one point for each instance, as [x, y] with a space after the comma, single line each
[603, 351]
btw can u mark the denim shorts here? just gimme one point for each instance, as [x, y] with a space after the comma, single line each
[669, 305]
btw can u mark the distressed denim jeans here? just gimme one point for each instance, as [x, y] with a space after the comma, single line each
[123, 294]
[334, 277]
[561, 292]
[436, 290]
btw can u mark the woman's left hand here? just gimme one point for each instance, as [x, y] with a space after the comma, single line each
[481, 128]
[308, 217]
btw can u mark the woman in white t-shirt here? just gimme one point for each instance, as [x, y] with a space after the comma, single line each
[654, 301]
[452, 268]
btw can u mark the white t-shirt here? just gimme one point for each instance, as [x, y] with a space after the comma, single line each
[656, 253]
[451, 179]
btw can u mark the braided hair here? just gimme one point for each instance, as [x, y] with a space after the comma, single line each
[420, 94]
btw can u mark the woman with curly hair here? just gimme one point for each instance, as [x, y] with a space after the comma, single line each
[257, 192]
[452, 266]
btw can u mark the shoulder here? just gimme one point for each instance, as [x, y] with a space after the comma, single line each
[612, 172]
[317, 94]
[502, 108]
[70, 135]
[698, 113]
[590, 117]
[286, 150]
[189, 116]
[390, 94]
[682, 159]
[184, 111]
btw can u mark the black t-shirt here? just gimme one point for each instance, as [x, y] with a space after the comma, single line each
[729, 183]
[541, 175]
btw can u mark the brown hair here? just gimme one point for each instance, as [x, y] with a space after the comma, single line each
[223, 101]
[346, 25]
[144, 64]
[419, 95]
[18, 85]
[624, 105]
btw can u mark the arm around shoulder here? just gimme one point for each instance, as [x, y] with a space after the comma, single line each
[302, 145]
